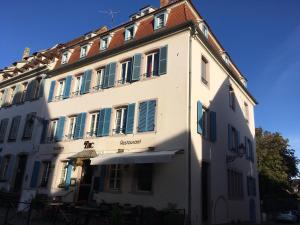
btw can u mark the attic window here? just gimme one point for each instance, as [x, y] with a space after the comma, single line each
[130, 32]
[160, 20]
[227, 59]
[205, 30]
[65, 58]
[83, 51]
[104, 42]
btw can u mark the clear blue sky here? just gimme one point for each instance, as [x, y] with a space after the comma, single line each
[262, 37]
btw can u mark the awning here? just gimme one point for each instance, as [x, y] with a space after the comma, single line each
[135, 158]
[85, 154]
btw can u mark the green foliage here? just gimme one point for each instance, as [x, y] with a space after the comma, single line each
[277, 165]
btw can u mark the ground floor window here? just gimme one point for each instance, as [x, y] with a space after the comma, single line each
[144, 174]
[46, 166]
[235, 184]
[63, 174]
[115, 177]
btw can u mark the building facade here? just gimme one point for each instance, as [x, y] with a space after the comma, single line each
[153, 112]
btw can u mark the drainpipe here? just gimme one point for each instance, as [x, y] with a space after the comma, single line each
[189, 131]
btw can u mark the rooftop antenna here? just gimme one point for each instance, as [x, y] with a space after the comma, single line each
[110, 13]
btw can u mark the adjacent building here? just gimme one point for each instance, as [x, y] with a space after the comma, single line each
[153, 112]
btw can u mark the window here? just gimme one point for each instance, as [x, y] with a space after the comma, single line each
[204, 70]
[115, 177]
[246, 111]
[14, 128]
[100, 74]
[147, 116]
[126, 72]
[63, 173]
[120, 123]
[4, 167]
[205, 123]
[152, 64]
[77, 86]
[249, 149]
[160, 20]
[144, 173]
[52, 130]
[60, 90]
[233, 138]
[205, 30]
[46, 172]
[83, 51]
[24, 88]
[65, 58]
[94, 120]
[71, 131]
[235, 184]
[227, 59]
[251, 186]
[104, 43]
[130, 32]
[29, 124]
[231, 99]
[3, 128]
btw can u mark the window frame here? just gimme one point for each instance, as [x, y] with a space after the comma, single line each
[157, 16]
[93, 129]
[154, 64]
[232, 99]
[63, 173]
[30, 117]
[138, 169]
[126, 79]
[82, 53]
[77, 85]
[99, 78]
[120, 125]
[115, 176]
[204, 79]
[52, 128]
[65, 57]
[105, 39]
[45, 174]
[127, 31]
[59, 93]
[70, 136]
[235, 185]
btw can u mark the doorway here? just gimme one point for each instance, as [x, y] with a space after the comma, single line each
[85, 181]
[22, 161]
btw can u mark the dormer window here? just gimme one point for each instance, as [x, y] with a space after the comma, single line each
[104, 42]
[205, 30]
[160, 20]
[227, 59]
[65, 58]
[130, 32]
[83, 51]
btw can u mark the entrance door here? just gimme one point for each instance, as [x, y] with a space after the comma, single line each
[86, 181]
[22, 161]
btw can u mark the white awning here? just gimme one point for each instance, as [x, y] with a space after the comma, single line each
[135, 158]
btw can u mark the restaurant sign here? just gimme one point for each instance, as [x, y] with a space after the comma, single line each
[134, 142]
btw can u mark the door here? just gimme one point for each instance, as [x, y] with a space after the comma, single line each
[22, 161]
[85, 181]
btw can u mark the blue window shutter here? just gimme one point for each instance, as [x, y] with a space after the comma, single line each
[151, 115]
[14, 128]
[130, 118]
[102, 177]
[112, 74]
[30, 90]
[51, 92]
[229, 138]
[68, 175]
[106, 124]
[136, 72]
[105, 77]
[143, 117]
[213, 126]
[100, 123]
[11, 167]
[163, 59]
[41, 89]
[82, 125]
[67, 87]
[60, 129]
[35, 174]
[199, 117]
[44, 131]
[82, 88]
[87, 83]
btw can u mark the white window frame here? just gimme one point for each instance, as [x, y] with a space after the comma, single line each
[77, 85]
[153, 60]
[71, 127]
[60, 89]
[157, 17]
[120, 120]
[65, 57]
[104, 42]
[100, 74]
[121, 81]
[246, 111]
[84, 51]
[94, 120]
[63, 173]
[52, 130]
[115, 176]
[205, 30]
[127, 31]
[204, 63]
[46, 173]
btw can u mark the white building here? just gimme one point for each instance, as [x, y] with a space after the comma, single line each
[152, 112]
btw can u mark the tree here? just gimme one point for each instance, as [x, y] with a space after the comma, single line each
[277, 165]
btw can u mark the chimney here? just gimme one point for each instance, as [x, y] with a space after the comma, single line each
[163, 3]
[26, 53]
